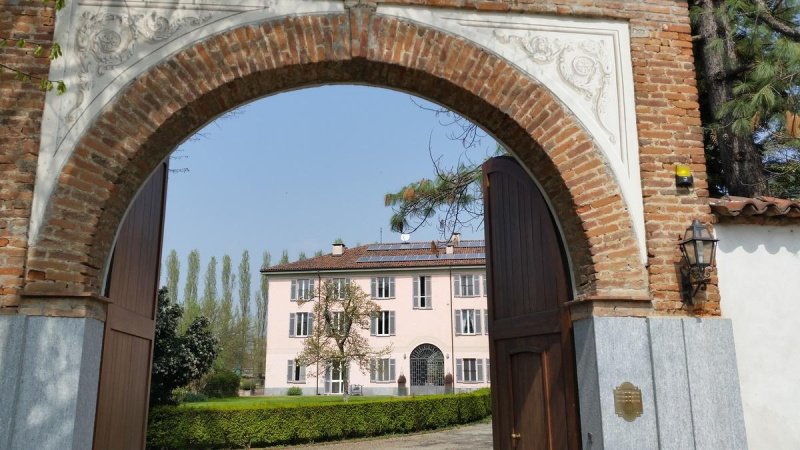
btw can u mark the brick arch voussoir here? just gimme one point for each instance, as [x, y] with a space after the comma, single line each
[152, 115]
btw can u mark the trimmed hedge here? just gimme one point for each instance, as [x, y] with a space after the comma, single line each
[173, 427]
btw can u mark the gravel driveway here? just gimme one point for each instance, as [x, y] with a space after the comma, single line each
[477, 436]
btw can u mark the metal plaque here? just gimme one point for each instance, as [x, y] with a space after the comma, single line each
[628, 401]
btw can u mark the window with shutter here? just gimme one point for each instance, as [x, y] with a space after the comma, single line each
[485, 321]
[382, 287]
[466, 321]
[422, 292]
[459, 370]
[466, 285]
[300, 324]
[295, 373]
[470, 370]
[384, 323]
[340, 287]
[478, 322]
[302, 289]
[488, 377]
[382, 370]
[457, 322]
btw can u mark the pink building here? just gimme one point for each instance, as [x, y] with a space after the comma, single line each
[433, 302]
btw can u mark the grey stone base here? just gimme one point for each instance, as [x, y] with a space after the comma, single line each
[686, 370]
[49, 371]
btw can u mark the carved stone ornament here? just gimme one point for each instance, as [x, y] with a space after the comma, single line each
[628, 401]
[579, 63]
[106, 40]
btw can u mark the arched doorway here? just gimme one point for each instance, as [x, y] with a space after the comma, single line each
[427, 370]
[147, 118]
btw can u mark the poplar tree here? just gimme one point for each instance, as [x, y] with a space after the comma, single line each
[243, 327]
[302, 256]
[208, 304]
[226, 322]
[173, 275]
[284, 257]
[190, 290]
[260, 328]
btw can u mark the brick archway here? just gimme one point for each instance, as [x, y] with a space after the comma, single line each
[179, 95]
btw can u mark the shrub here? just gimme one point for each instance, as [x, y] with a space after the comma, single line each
[195, 397]
[214, 427]
[248, 385]
[222, 383]
[294, 390]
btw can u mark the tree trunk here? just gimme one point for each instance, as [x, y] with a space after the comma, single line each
[741, 162]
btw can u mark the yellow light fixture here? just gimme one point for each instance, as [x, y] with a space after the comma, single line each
[683, 176]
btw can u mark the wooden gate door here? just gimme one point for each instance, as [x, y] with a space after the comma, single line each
[132, 285]
[533, 377]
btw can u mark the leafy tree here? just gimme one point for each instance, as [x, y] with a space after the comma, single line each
[337, 337]
[178, 358]
[173, 275]
[208, 304]
[190, 290]
[302, 256]
[318, 253]
[284, 257]
[260, 328]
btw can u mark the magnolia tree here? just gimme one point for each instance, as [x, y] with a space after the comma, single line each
[342, 314]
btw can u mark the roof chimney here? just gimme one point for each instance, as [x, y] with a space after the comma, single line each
[449, 249]
[456, 239]
[338, 249]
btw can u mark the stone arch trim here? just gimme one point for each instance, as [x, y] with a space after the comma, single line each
[183, 92]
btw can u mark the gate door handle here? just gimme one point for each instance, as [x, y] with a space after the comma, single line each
[515, 435]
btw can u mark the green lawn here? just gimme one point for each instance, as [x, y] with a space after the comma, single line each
[278, 401]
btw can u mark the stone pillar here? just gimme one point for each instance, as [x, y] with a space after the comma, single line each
[685, 370]
[49, 373]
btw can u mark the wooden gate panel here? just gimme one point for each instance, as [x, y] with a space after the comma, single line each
[132, 289]
[529, 326]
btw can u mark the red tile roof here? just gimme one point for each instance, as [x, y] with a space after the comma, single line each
[349, 259]
[759, 206]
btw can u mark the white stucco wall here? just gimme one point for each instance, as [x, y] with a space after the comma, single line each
[759, 276]
[413, 327]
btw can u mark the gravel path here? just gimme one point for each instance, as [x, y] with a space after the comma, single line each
[477, 436]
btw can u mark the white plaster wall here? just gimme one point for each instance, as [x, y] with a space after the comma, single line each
[759, 276]
[412, 326]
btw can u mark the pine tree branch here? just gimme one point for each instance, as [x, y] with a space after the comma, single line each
[776, 24]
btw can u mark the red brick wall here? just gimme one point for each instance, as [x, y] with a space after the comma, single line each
[163, 106]
[21, 106]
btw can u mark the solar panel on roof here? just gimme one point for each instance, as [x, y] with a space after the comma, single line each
[406, 258]
[406, 246]
[471, 244]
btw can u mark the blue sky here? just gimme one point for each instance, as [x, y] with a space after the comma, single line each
[297, 170]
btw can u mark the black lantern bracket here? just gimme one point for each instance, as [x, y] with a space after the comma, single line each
[699, 249]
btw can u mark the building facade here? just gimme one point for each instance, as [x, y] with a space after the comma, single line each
[433, 315]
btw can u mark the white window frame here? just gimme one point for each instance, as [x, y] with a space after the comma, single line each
[339, 382]
[382, 288]
[469, 370]
[466, 285]
[382, 370]
[469, 322]
[383, 324]
[302, 323]
[337, 321]
[340, 285]
[302, 289]
[423, 292]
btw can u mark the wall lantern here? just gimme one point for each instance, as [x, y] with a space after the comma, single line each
[699, 249]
